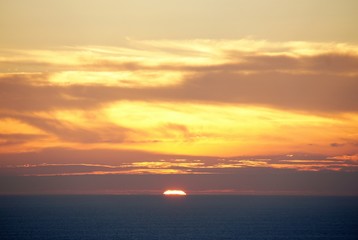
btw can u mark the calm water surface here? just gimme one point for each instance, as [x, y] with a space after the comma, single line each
[190, 217]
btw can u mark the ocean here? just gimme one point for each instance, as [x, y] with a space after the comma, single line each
[191, 217]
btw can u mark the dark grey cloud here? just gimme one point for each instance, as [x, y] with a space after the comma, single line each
[108, 133]
[282, 90]
[321, 63]
[306, 92]
[16, 139]
[239, 61]
[75, 156]
[18, 93]
[337, 144]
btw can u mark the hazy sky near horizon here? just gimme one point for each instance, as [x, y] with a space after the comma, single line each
[250, 97]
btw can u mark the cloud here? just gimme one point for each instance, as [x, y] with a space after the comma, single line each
[306, 92]
[281, 90]
[293, 75]
[15, 139]
[19, 93]
[65, 162]
[69, 131]
[337, 144]
[78, 156]
[350, 157]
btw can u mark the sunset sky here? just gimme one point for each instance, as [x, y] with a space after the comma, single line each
[208, 96]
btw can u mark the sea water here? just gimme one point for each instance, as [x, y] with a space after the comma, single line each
[191, 217]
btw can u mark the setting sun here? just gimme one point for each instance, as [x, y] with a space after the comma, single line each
[174, 193]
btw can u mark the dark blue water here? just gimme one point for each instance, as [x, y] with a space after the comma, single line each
[191, 217]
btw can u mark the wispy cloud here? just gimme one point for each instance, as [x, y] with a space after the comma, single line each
[76, 162]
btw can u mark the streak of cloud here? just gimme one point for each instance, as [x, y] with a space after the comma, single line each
[298, 76]
[81, 162]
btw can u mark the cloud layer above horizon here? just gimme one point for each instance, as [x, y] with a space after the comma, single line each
[215, 98]
[179, 107]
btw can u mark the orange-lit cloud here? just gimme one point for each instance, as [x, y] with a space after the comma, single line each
[205, 100]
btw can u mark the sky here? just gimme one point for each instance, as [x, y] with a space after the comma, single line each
[211, 97]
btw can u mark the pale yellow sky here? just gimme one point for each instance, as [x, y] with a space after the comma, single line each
[40, 23]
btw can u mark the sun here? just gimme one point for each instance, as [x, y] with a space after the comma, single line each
[174, 193]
